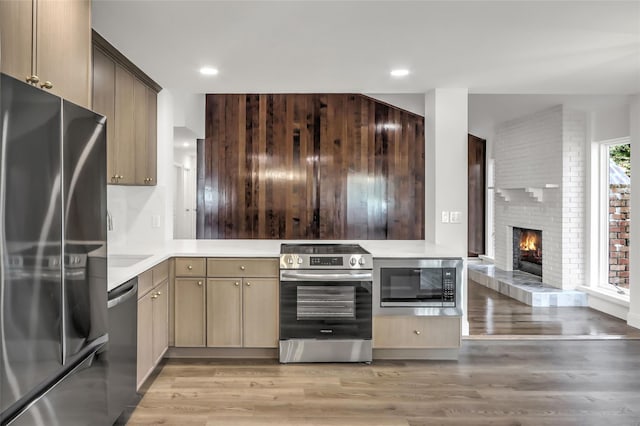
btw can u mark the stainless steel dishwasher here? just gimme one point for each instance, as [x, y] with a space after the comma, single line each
[122, 351]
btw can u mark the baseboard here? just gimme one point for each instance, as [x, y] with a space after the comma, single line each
[605, 303]
[633, 320]
[174, 352]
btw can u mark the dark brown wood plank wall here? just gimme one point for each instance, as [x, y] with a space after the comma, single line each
[310, 166]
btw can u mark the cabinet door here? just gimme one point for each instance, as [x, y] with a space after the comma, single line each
[190, 312]
[260, 318]
[104, 97]
[124, 134]
[152, 140]
[160, 321]
[64, 48]
[145, 337]
[224, 312]
[16, 38]
[140, 130]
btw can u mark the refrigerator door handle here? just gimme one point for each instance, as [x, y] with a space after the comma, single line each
[123, 297]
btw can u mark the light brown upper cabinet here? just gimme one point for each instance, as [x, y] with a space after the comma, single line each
[128, 98]
[57, 55]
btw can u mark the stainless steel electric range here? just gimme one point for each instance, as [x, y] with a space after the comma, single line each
[325, 303]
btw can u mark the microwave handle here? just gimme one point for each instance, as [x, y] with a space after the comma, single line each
[309, 276]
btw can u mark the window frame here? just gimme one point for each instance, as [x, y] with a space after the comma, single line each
[602, 217]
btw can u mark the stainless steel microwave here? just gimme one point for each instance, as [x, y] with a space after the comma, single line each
[424, 286]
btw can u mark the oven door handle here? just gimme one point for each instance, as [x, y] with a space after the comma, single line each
[310, 276]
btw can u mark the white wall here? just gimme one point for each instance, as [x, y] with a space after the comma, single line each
[189, 112]
[634, 238]
[446, 166]
[610, 123]
[133, 208]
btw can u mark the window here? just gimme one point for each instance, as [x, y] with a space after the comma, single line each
[615, 215]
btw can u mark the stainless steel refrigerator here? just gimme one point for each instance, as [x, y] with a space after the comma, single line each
[53, 281]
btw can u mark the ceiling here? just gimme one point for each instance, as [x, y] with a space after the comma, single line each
[500, 47]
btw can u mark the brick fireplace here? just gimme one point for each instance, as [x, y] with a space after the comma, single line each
[539, 185]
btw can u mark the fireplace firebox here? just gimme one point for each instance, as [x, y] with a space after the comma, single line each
[527, 250]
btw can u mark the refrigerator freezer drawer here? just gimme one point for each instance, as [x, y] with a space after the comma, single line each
[79, 398]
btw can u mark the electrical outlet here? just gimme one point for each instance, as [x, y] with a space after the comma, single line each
[155, 221]
[445, 216]
[456, 217]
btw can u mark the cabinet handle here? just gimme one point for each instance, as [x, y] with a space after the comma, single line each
[189, 267]
[417, 332]
[114, 178]
[46, 85]
[155, 296]
[242, 267]
[199, 283]
[120, 177]
[33, 79]
[159, 293]
[236, 283]
[248, 284]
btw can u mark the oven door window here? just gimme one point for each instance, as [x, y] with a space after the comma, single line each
[411, 284]
[318, 310]
[325, 302]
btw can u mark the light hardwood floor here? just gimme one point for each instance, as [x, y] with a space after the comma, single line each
[493, 383]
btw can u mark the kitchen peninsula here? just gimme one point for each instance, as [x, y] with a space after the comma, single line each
[221, 300]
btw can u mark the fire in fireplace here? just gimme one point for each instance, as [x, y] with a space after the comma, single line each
[527, 250]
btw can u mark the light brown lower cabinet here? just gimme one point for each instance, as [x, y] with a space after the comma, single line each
[413, 332]
[160, 321]
[242, 312]
[260, 313]
[190, 312]
[224, 312]
[153, 329]
[145, 338]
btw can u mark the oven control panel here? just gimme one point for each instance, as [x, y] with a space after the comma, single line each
[325, 261]
[353, 261]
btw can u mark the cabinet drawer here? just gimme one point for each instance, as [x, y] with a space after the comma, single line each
[145, 283]
[237, 267]
[160, 273]
[190, 267]
[392, 332]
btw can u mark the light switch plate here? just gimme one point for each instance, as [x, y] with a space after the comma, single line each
[445, 216]
[456, 217]
[155, 221]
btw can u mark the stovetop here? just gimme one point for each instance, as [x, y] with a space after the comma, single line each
[324, 256]
[322, 249]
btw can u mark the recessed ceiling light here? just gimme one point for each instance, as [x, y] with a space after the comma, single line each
[400, 73]
[185, 144]
[208, 71]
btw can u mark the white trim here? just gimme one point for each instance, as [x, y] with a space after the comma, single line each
[599, 214]
[609, 303]
[633, 320]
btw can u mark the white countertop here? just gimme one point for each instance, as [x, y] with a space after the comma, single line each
[255, 248]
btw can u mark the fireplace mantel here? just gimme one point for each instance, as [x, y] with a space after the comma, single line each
[536, 193]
